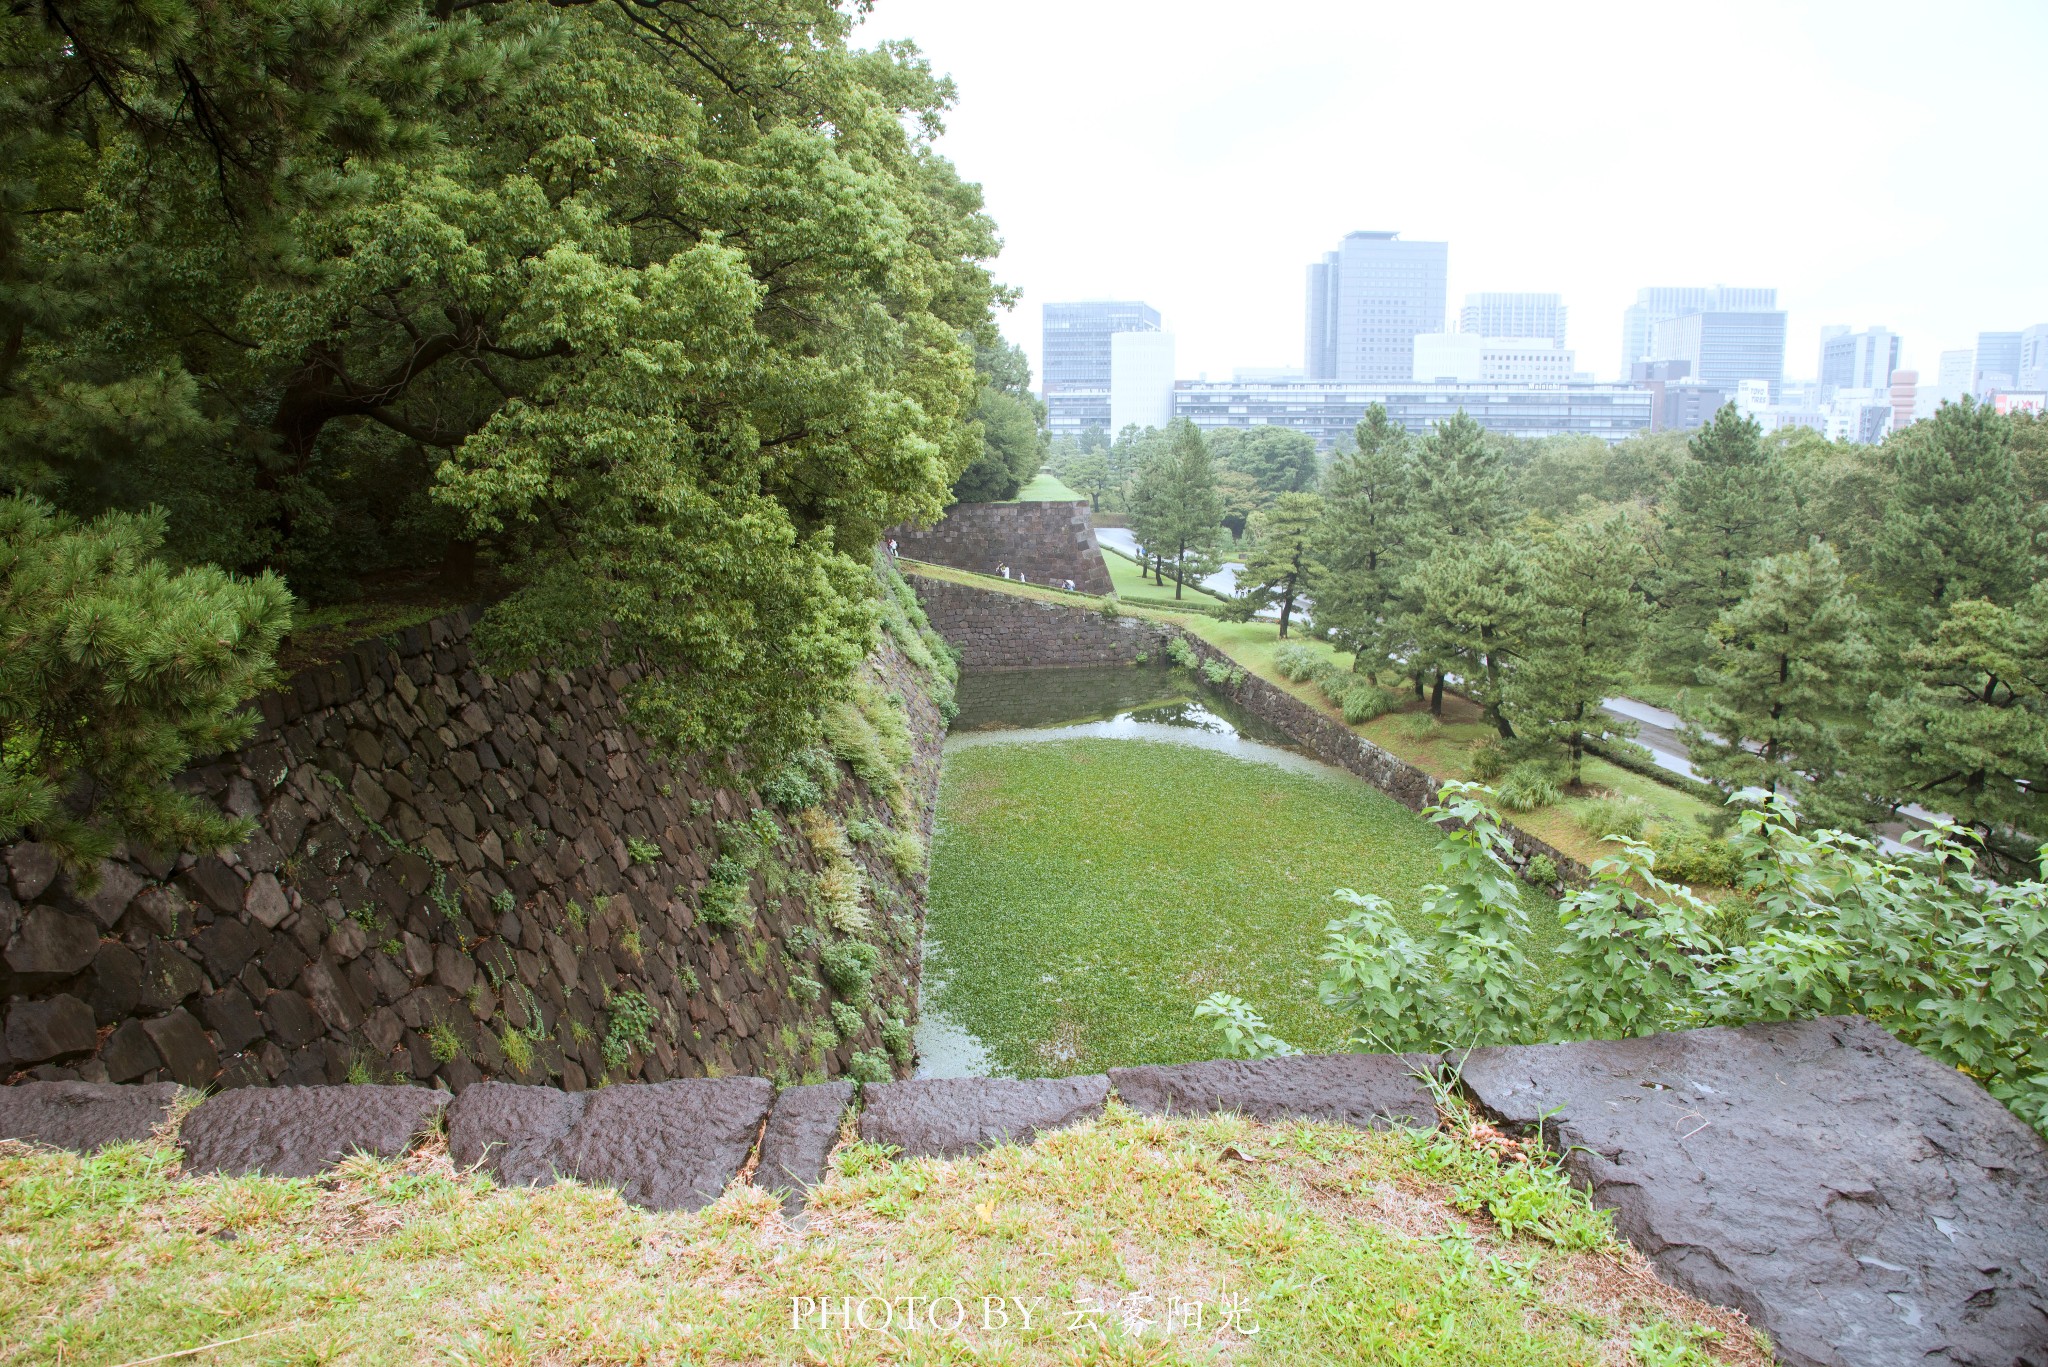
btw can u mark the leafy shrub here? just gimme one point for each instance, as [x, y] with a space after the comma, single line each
[1244, 1031]
[502, 901]
[849, 966]
[1364, 701]
[442, 1042]
[631, 1021]
[790, 789]
[1529, 785]
[1696, 858]
[518, 1050]
[642, 851]
[1181, 653]
[905, 852]
[726, 902]
[1223, 674]
[1541, 871]
[1112, 607]
[806, 989]
[871, 1065]
[1623, 816]
[1296, 662]
[1952, 963]
[1488, 760]
[839, 892]
[897, 1039]
[846, 1020]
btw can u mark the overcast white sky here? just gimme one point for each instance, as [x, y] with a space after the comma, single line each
[1878, 162]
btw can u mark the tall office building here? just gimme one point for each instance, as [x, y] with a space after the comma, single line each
[1466, 358]
[1724, 346]
[1075, 369]
[1857, 360]
[1514, 315]
[2034, 357]
[1998, 362]
[1662, 303]
[1367, 301]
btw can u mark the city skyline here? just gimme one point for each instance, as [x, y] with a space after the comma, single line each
[1215, 173]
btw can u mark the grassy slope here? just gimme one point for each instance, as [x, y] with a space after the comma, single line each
[1046, 487]
[1079, 914]
[1339, 1245]
[1133, 585]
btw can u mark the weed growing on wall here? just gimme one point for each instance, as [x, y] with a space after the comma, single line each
[630, 1026]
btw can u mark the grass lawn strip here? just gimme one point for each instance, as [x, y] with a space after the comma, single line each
[1076, 914]
[1335, 1245]
[1046, 487]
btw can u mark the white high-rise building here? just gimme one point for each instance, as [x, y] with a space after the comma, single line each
[1140, 380]
[1367, 301]
[2034, 357]
[1464, 358]
[1952, 380]
[1496, 314]
[1857, 360]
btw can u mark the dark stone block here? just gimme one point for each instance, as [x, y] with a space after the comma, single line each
[33, 867]
[302, 1131]
[117, 887]
[1860, 1202]
[55, 1028]
[215, 884]
[52, 943]
[83, 1116]
[188, 1055]
[129, 1052]
[231, 1018]
[116, 983]
[946, 1117]
[291, 1019]
[512, 1131]
[1367, 1090]
[225, 947]
[801, 1131]
[667, 1145]
[164, 909]
[284, 961]
[168, 977]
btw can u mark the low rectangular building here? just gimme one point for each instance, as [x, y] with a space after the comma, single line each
[1328, 410]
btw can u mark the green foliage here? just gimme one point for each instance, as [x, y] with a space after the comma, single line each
[1580, 628]
[871, 1065]
[355, 287]
[1526, 1195]
[1175, 511]
[904, 851]
[1541, 870]
[791, 789]
[1245, 1033]
[1622, 816]
[443, 1043]
[631, 1021]
[502, 901]
[849, 967]
[1488, 760]
[1223, 674]
[846, 1020]
[1723, 513]
[1695, 858]
[1362, 542]
[1181, 653]
[1951, 529]
[119, 670]
[1529, 785]
[1013, 444]
[642, 851]
[806, 989]
[1362, 701]
[518, 1050]
[1296, 662]
[897, 1039]
[1282, 564]
[726, 901]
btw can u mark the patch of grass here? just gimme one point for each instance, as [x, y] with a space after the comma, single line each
[1135, 586]
[1047, 487]
[1077, 913]
[1335, 1245]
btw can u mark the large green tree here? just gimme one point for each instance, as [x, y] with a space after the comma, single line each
[1282, 563]
[1786, 677]
[1468, 609]
[1277, 460]
[1362, 541]
[661, 311]
[1722, 513]
[1955, 524]
[1461, 484]
[1175, 512]
[1013, 443]
[1583, 622]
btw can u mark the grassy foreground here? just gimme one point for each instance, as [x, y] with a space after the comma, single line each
[1299, 1243]
[1085, 894]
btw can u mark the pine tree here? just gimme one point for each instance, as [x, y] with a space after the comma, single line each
[1724, 513]
[118, 670]
[1461, 484]
[1361, 541]
[1457, 504]
[1584, 618]
[1786, 675]
[1955, 524]
[1282, 565]
[1968, 735]
[1468, 610]
[1175, 511]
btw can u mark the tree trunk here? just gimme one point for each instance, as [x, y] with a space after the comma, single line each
[1286, 611]
[1436, 695]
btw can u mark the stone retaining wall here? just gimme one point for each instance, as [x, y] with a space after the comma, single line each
[1047, 543]
[455, 877]
[996, 630]
[1858, 1201]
